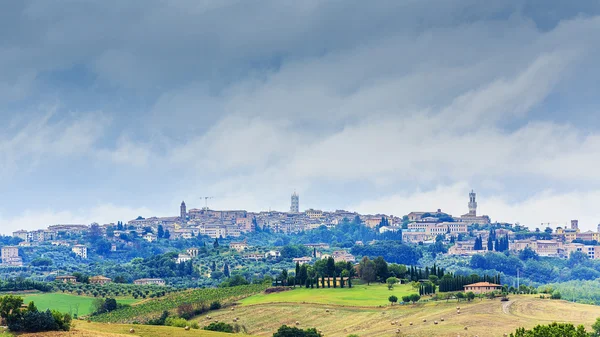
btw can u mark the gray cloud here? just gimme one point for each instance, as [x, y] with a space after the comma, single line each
[354, 104]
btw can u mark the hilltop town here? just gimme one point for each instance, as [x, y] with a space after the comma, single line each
[464, 235]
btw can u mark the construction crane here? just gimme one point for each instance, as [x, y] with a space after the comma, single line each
[206, 201]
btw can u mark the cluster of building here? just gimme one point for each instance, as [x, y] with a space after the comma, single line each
[561, 245]
[233, 223]
[426, 226]
[102, 280]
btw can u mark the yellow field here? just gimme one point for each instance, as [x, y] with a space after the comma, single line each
[84, 329]
[482, 317]
[489, 318]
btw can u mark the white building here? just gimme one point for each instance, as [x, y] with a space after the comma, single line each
[10, 256]
[80, 250]
[183, 258]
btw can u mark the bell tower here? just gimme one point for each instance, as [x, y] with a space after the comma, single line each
[472, 204]
[183, 211]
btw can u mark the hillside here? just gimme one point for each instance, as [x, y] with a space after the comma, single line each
[152, 308]
[481, 317]
[84, 329]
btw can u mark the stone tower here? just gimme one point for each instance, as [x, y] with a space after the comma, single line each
[472, 204]
[575, 224]
[183, 211]
[295, 206]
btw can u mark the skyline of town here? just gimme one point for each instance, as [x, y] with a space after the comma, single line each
[294, 207]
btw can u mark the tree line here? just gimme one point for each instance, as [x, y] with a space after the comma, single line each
[451, 282]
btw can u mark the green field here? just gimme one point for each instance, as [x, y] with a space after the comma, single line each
[481, 317]
[67, 303]
[360, 295]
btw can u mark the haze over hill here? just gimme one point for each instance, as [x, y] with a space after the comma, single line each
[249, 102]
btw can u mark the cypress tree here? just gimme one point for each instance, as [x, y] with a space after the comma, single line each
[349, 282]
[334, 280]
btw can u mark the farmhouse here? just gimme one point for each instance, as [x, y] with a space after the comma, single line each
[482, 287]
[302, 260]
[66, 279]
[99, 279]
[239, 246]
[147, 281]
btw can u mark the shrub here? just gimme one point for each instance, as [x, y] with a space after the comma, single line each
[160, 320]
[176, 322]
[556, 295]
[194, 325]
[286, 331]
[185, 310]
[216, 305]
[221, 327]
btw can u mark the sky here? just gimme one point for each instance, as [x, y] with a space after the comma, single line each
[114, 109]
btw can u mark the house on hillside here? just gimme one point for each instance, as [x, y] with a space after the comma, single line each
[482, 287]
[99, 279]
[149, 281]
[66, 279]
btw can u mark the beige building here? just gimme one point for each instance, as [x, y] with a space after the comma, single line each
[302, 260]
[66, 279]
[482, 287]
[314, 213]
[99, 279]
[416, 236]
[566, 234]
[149, 281]
[21, 234]
[239, 246]
[80, 250]
[10, 256]
[465, 248]
[589, 236]
[546, 248]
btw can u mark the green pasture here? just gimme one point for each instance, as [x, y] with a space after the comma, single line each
[359, 295]
[82, 305]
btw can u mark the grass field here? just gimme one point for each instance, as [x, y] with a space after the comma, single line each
[66, 302]
[488, 318]
[84, 329]
[360, 295]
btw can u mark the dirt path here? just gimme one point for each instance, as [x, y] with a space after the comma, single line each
[506, 307]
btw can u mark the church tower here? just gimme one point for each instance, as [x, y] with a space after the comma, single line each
[295, 206]
[472, 204]
[183, 211]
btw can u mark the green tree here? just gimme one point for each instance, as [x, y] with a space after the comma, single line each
[393, 299]
[286, 331]
[551, 330]
[330, 266]
[366, 269]
[406, 299]
[470, 296]
[391, 281]
[161, 232]
[381, 269]
[596, 327]
[414, 298]
[226, 270]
